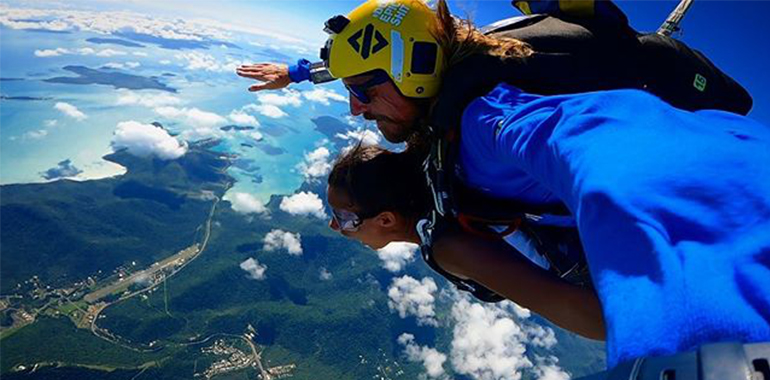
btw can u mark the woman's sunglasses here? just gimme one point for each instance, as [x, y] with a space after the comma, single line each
[360, 90]
[347, 220]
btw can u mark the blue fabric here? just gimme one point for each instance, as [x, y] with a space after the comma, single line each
[300, 72]
[673, 207]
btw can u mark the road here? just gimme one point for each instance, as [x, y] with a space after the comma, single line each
[176, 262]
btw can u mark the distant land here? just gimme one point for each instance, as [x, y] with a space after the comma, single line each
[228, 128]
[168, 43]
[10, 79]
[32, 98]
[118, 80]
[114, 41]
[330, 127]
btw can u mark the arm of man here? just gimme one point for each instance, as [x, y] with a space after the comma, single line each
[499, 267]
[275, 76]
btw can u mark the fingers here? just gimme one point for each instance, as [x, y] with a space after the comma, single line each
[272, 76]
[264, 86]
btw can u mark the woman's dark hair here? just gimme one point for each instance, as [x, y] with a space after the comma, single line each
[378, 180]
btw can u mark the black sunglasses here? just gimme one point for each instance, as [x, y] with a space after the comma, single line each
[360, 90]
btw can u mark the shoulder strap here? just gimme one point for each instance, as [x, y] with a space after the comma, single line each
[426, 228]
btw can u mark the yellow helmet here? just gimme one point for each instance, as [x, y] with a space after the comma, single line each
[389, 35]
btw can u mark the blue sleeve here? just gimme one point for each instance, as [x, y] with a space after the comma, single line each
[673, 209]
[300, 71]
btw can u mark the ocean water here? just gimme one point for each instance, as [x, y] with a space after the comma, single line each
[35, 136]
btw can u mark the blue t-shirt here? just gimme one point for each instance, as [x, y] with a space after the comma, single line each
[673, 207]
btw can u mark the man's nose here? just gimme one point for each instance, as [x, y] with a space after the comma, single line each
[356, 106]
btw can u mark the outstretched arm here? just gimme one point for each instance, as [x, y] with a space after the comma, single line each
[275, 76]
[269, 76]
[499, 267]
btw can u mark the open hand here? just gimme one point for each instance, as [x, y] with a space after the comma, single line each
[273, 76]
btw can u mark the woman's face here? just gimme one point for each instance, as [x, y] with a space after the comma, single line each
[376, 231]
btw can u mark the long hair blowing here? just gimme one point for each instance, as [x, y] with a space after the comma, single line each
[378, 180]
[459, 39]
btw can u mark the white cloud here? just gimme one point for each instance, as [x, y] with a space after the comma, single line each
[396, 255]
[304, 203]
[255, 270]
[279, 239]
[245, 203]
[192, 116]
[200, 61]
[432, 359]
[70, 110]
[140, 54]
[323, 96]
[122, 66]
[324, 274]
[104, 53]
[114, 65]
[284, 98]
[35, 135]
[241, 117]
[109, 22]
[270, 111]
[316, 164]
[414, 298]
[146, 139]
[102, 22]
[253, 135]
[44, 53]
[164, 62]
[86, 51]
[270, 103]
[207, 62]
[50, 123]
[548, 369]
[540, 336]
[146, 99]
[487, 344]
[360, 135]
[198, 124]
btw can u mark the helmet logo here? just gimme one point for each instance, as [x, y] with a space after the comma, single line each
[391, 13]
[365, 48]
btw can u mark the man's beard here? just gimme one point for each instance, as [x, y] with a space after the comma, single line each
[401, 133]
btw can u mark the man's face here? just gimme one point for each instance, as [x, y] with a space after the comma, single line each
[396, 115]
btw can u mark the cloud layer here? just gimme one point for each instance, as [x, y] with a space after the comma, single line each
[254, 269]
[430, 357]
[145, 140]
[245, 203]
[414, 298]
[304, 203]
[70, 110]
[316, 164]
[396, 255]
[279, 239]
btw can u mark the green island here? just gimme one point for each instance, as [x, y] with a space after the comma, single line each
[138, 276]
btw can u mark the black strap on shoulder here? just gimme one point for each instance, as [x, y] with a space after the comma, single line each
[714, 361]
[426, 229]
